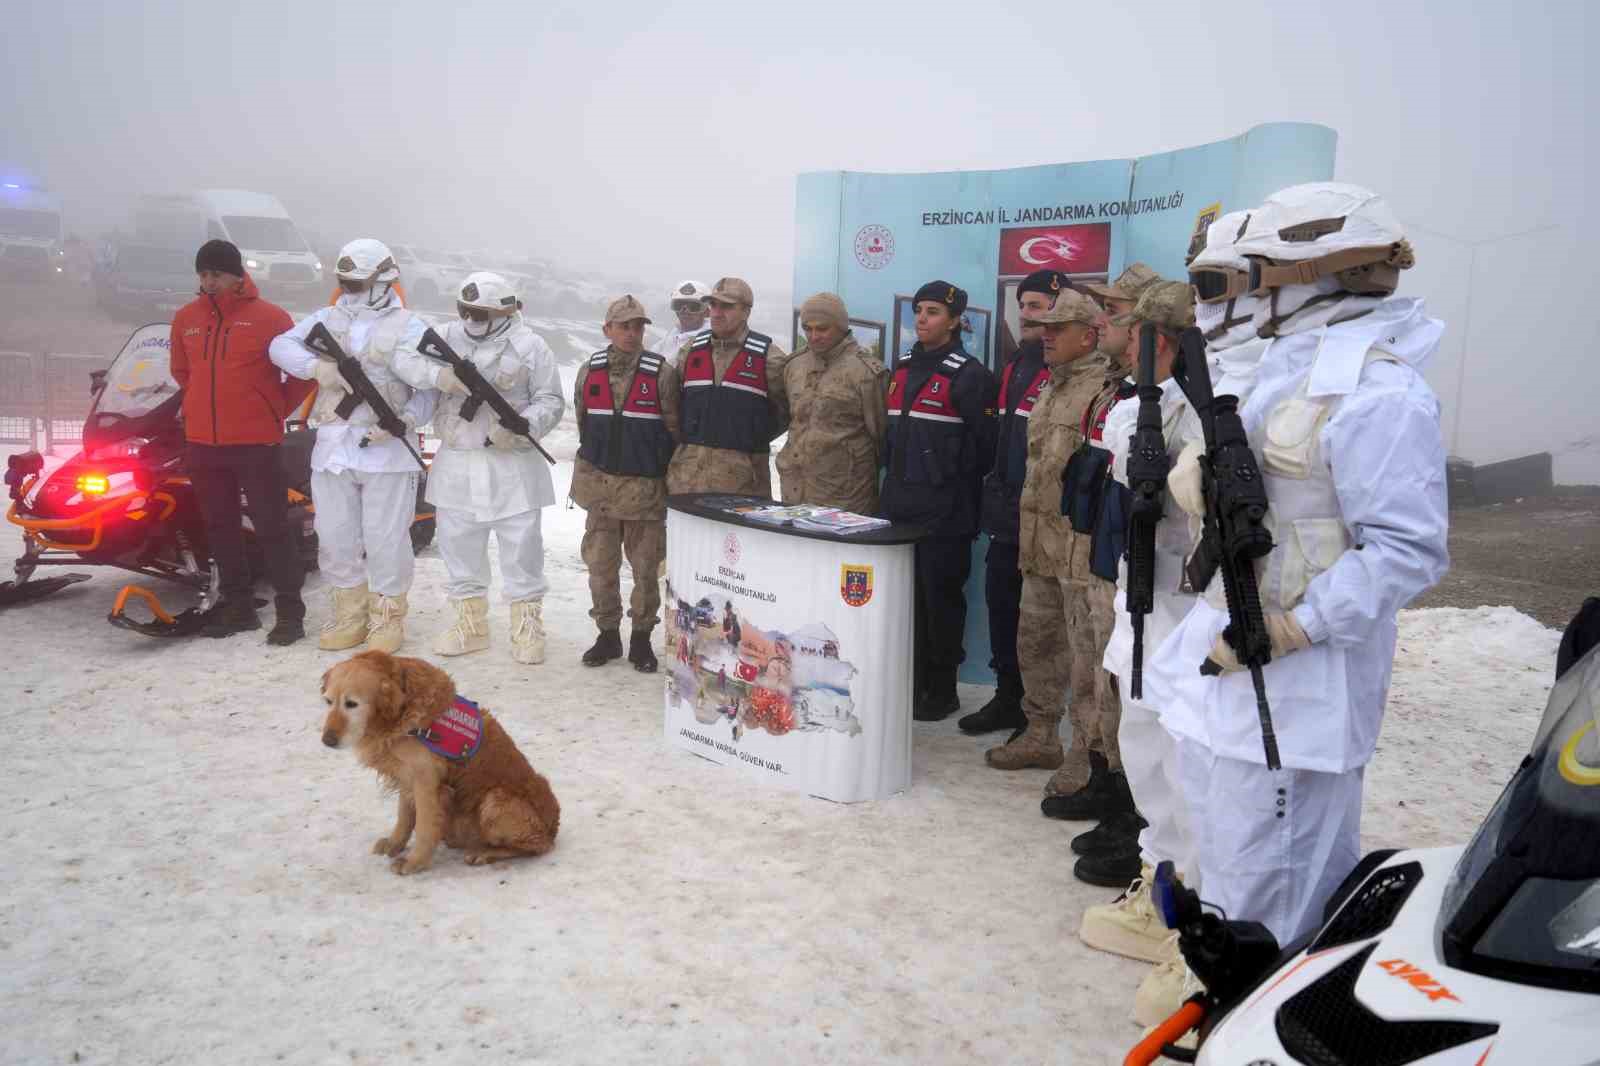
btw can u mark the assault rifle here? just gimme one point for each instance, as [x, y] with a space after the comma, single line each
[479, 390]
[1147, 479]
[1234, 534]
[362, 390]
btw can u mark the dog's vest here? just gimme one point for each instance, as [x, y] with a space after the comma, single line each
[455, 733]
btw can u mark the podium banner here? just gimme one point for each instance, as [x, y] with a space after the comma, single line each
[790, 656]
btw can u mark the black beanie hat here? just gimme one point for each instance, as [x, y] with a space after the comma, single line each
[1050, 282]
[220, 256]
[942, 292]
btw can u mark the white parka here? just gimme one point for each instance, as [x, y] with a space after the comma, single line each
[468, 474]
[1355, 446]
[372, 336]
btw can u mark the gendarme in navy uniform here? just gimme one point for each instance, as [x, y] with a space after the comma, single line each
[940, 443]
[1020, 382]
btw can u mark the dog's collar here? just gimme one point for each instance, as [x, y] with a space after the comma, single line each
[455, 733]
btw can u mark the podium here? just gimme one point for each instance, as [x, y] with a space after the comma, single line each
[790, 650]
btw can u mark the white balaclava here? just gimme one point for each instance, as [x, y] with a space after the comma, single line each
[1299, 308]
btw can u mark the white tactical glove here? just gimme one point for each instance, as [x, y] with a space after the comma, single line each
[448, 382]
[1185, 481]
[378, 435]
[1286, 634]
[502, 438]
[325, 372]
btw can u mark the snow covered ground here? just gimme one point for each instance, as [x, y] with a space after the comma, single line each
[188, 876]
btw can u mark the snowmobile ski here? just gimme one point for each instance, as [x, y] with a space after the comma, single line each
[184, 624]
[16, 592]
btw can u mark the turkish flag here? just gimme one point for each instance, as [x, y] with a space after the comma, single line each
[1080, 249]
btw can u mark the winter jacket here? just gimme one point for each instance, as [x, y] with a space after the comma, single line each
[940, 440]
[622, 496]
[1048, 546]
[1020, 383]
[836, 401]
[232, 393]
[707, 468]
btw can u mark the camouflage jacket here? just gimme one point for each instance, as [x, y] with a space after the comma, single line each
[615, 495]
[1048, 545]
[838, 419]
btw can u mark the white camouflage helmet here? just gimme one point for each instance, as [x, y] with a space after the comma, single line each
[366, 259]
[687, 291]
[1320, 251]
[1224, 306]
[488, 300]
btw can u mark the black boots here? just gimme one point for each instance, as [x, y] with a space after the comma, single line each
[230, 617]
[1098, 800]
[286, 630]
[1110, 835]
[1004, 711]
[939, 700]
[1111, 869]
[606, 647]
[640, 654]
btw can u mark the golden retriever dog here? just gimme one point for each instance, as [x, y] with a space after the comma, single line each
[491, 804]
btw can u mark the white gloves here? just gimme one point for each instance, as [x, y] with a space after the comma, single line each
[378, 435]
[447, 383]
[1283, 629]
[326, 374]
[503, 438]
[1184, 481]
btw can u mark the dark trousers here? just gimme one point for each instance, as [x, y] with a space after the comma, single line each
[1002, 592]
[219, 474]
[942, 566]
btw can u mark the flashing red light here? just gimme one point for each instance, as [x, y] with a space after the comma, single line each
[93, 484]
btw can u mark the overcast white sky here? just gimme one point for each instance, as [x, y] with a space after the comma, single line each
[662, 139]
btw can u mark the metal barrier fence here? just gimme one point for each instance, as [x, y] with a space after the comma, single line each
[67, 395]
[21, 401]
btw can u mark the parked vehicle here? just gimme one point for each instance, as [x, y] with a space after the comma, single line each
[31, 239]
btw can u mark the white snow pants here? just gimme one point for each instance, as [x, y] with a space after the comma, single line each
[1272, 846]
[464, 543]
[1150, 759]
[360, 512]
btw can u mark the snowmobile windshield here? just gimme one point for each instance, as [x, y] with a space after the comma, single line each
[140, 377]
[1523, 903]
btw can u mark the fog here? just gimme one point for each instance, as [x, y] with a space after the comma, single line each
[659, 140]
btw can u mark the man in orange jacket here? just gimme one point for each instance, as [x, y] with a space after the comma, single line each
[234, 404]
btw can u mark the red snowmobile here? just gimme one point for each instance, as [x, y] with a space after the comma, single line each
[125, 500]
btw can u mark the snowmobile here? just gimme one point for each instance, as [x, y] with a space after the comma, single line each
[1482, 954]
[125, 500]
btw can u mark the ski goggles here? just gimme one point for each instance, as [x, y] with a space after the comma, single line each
[1215, 284]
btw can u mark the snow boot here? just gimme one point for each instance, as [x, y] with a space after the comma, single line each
[348, 626]
[939, 700]
[1082, 767]
[527, 631]
[1004, 711]
[386, 615]
[1038, 745]
[230, 617]
[1130, 925]
[640, 654]
[471, 631]
[606, 647]
[1110, 835]
[1164, 989]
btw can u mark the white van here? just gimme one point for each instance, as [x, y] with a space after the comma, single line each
[276, 255]
[31, 247]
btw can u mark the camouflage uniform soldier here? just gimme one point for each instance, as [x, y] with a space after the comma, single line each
[836, 396]
[1053, 558]
[1097, 788]
[627, 406]
[732, 401]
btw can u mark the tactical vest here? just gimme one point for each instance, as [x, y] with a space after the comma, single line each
[1013, 450]
[928, 450]
[732, 413]
[634, 441]
[377, 360]
[1308, 532]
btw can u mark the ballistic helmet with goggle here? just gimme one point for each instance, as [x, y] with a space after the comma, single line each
[487, 298]
[366, 259]
[1325, 229]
